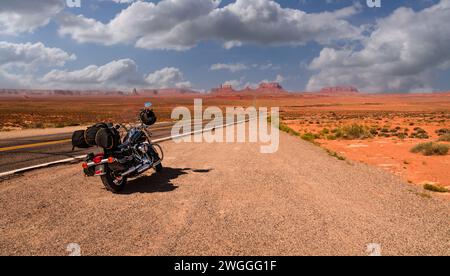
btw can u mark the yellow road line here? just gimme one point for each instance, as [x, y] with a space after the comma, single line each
[58, 142]
[35, 145]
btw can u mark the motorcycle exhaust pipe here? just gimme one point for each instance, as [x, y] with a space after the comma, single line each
[156, 163]
[144, 168]
[131, 170]
[140, 168]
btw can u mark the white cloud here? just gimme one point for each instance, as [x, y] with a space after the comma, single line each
[401, 54]
[241, 83]
[236, 84]
[267, 66]
[182, 24]
[278, 79]
[18, 16]
[232, 67]
[124, 1]
[31, 55]
[118, 74]
[20, 65]
[168, 77]
[19, 62]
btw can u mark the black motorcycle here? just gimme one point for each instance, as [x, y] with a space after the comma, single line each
[122, 158]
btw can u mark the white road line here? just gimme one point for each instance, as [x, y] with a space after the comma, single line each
[80, 157]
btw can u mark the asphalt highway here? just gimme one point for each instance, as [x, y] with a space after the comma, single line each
[23, 152]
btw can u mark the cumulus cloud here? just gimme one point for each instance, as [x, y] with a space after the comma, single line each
[124, 1]
[232, 67]
[18, 16]
[20, 61]
[118, 74]
[20, 65]
[166, 78]
[402, 53]
[241, 83]
[182, 24]
[31, 55]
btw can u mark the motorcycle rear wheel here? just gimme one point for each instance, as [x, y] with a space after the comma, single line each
[110, 184]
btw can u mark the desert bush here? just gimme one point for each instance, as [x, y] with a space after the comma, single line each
[335, 154]
[443, 131]
[431, 148]
[353, 131]
[434, 188]
[444, 138]
[419, 133]
[309, 136]
[325, 131]
[288, 130]
[374, 131]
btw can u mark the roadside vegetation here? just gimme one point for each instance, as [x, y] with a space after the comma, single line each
[444, 134]
[434, 188]
[352, 132]
[431, 148]
[309, 137]
[444, 138]
[335, 154]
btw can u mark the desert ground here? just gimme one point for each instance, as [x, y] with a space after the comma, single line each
[226, 199]
[388, 125]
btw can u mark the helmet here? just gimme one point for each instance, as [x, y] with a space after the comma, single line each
[147, 117]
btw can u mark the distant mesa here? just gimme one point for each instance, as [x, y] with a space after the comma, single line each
[134, 93]
[339, 90]
[266, 88]
[175, 92]
[168, 92]
[270, 85]
[224, 89]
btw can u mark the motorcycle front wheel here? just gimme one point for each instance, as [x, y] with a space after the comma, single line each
[111, 183]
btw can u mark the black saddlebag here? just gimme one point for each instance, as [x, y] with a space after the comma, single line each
[78, 140]
[107, 138]
[91, 133]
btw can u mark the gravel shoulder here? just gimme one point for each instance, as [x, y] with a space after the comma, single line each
[225, 199]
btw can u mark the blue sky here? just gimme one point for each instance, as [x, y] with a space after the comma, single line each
[303, 53]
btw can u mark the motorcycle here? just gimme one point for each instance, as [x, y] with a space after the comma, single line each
[121, 159]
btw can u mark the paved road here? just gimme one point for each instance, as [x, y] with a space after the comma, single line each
[29, 151]
[225, 199]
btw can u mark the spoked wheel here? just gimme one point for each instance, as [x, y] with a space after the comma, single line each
[157, 156]
[113, 183]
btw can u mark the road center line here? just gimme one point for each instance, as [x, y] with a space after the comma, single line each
[34, 145]
[77, 158]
